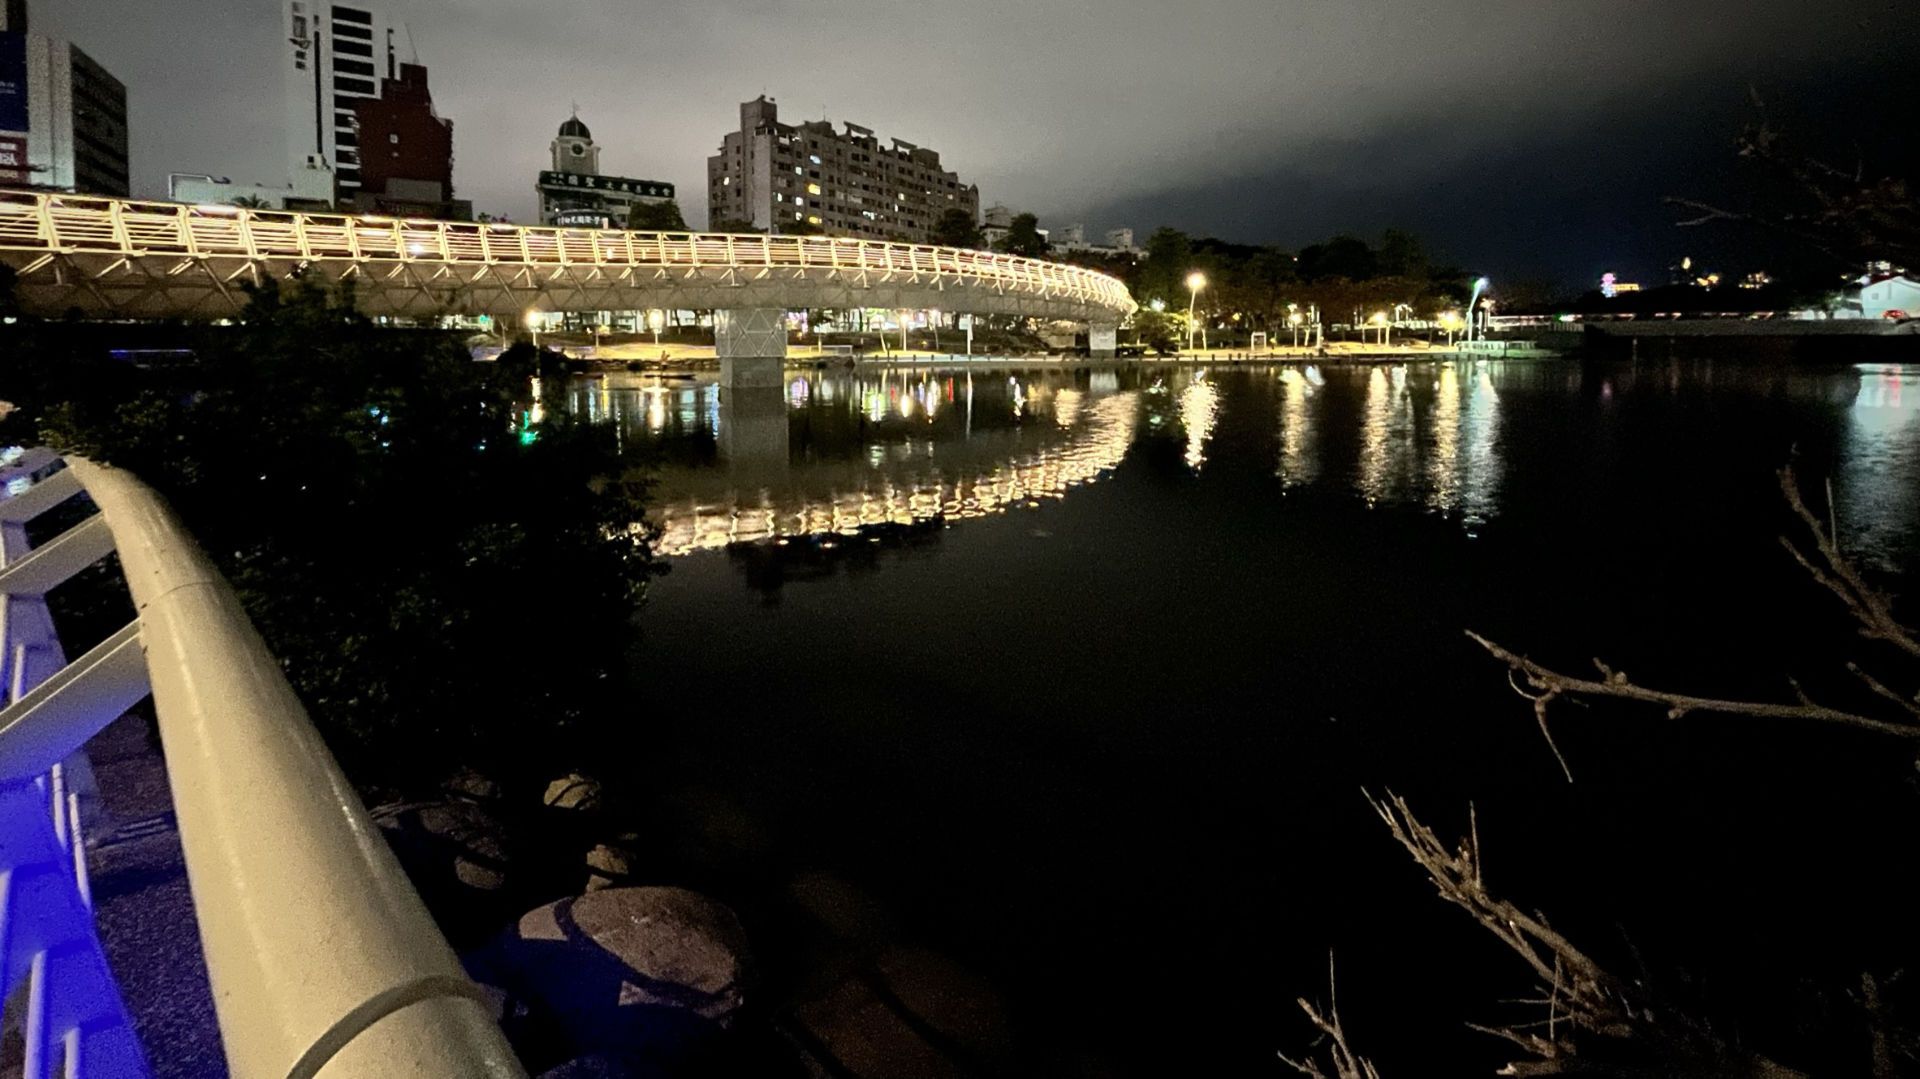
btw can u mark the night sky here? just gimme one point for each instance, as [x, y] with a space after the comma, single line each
[1523, 138]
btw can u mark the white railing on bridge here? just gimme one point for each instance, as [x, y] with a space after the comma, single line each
[321, 956]
[59, 224]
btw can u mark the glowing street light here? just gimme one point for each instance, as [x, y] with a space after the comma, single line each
[1479, 286]
[533, 324]
[1380, 319]
[656, 318]
[1195, 282]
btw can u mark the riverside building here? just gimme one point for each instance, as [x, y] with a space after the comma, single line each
[575, 194]
[337, 55]
[63, 117]
[786, 178]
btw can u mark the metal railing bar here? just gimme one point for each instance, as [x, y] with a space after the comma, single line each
[57, 560]
[306, 918]
[39, 498]
[57, 716]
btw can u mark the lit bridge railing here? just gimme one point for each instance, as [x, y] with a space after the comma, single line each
[322, 958]
[91, 249]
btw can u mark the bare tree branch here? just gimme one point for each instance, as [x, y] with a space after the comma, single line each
[1585, 1002]
[1552, 684]
[1346, 1063]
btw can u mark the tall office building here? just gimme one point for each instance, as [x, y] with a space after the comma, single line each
[778, 176]
[63, 117]
[336, 56]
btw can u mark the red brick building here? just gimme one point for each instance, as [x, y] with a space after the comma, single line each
[405, 151]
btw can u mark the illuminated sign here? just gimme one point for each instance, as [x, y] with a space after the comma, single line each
[610, 185]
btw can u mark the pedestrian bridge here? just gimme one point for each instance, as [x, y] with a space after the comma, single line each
[122, 259]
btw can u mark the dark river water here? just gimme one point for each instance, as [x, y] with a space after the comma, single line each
[1077, 678]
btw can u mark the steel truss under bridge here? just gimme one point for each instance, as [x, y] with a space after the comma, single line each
[123, 259]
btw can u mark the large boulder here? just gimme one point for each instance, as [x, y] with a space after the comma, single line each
[649, 974]
[457, 856]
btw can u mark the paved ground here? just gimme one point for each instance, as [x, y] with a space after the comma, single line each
[144, 909]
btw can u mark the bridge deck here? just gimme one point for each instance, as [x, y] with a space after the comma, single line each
[122, 258]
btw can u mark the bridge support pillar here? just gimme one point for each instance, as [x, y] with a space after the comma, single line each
[1102, 339]
[752, 345]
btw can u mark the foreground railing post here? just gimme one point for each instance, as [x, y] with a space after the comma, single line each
[322, 958]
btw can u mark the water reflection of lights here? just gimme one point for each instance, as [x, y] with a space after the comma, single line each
[1199, 408]
[1066, 406]
[1297, 463]
[1385, 431]
[1093, 448]
[1877, 489]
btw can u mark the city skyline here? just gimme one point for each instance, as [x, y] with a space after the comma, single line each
[1533, 142]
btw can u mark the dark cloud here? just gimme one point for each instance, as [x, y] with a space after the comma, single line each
[1529, 133]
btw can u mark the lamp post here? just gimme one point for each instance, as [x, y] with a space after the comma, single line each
[1195, 282]
[1380, 319]
[533, 326]
[933, 322]
[1479, 286]
[656, 318]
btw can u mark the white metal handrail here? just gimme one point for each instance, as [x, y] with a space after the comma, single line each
[322, 958]
[33, 221]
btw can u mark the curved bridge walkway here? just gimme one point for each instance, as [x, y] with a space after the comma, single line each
[122, 259]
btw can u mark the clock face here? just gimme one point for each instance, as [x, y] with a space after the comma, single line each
[578, 149]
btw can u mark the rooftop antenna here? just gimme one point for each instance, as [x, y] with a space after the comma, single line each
[413, 45]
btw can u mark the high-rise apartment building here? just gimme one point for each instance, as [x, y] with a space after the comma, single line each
[63, 117]
[785, 178]
[337, 55]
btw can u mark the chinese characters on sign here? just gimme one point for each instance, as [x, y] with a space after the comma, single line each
[579, 182]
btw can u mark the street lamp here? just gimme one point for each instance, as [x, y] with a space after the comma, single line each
[1195, 282]
[533, 324]
[1479, 286]
[933, 321]
[1380, 319]
[656, 318]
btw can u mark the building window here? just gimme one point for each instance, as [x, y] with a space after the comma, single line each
[353, 86]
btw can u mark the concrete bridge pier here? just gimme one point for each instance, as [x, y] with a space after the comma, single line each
[752, 345]
[1102, 339]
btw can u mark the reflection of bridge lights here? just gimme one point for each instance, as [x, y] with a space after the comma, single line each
[1098, 445]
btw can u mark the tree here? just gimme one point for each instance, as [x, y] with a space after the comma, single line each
[1851, 216]
[1602, 1023]
[1023, 237]
[1164, 272]
[956, 228]
[732, 224]
[799, 228]
[252, 202]
[345, 478]
[1342, 256]
[656, 217]
[1402, 254]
